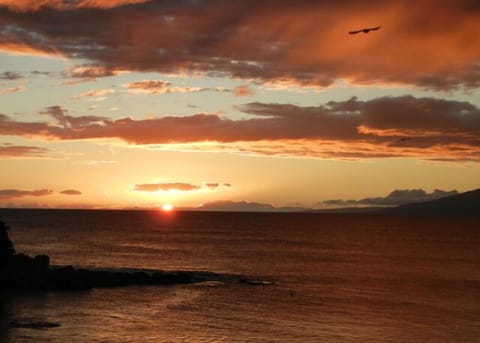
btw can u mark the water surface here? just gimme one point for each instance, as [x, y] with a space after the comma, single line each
[347, 278]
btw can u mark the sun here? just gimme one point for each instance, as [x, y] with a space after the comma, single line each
[167, 207]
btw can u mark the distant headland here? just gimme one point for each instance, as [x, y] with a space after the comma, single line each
[465, 204]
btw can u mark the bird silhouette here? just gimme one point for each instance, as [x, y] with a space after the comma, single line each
[366, 30]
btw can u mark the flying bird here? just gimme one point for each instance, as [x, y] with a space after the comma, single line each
[366, 30]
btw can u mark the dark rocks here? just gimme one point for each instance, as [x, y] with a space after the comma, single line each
[6, 247]
[20, 272]
[27, 324]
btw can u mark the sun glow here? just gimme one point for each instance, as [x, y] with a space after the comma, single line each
[167, 207]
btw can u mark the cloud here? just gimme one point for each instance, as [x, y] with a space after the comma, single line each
[165, 187]
[12, 90]
[62, 118]
[96, 162]
[91, 72]
[22, 151]
[148, 86]
[71, 192]
[305, 43]
[164, 87]
[15, 193]
[395, 198]
[99, 94]
[35, 5]
[42, 73]
[242, 91]
[403, 126]
[159, 87]
[175, 186]
[10, 75]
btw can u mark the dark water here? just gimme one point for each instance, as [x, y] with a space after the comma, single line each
[340, 278]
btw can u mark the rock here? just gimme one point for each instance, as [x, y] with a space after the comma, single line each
[21, 272]
[26, 324]
[6, 247]
[42, 262]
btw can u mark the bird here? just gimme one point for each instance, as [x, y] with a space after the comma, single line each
[366, 30]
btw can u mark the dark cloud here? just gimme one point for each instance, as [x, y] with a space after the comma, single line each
[212, 185]
[396, 197]
[10, 75]
[22, 151]
[15, 193]
[35, 5]
[303, 42]
[60, 115]
[167, 186]
[385, 127]
[42, 73]
[71, 192]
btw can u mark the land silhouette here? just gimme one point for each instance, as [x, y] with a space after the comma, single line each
[465, 204]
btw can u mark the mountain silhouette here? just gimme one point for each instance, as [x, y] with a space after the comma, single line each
[461, 205]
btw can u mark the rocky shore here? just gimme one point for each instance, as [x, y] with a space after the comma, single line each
[20, 272]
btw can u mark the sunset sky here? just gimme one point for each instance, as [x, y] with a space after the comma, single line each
[135, 103]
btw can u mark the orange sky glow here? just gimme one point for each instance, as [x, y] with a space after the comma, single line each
[144, 104]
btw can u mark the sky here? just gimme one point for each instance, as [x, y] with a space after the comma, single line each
[137, 104]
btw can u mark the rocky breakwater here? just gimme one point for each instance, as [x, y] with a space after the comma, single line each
[21, 272]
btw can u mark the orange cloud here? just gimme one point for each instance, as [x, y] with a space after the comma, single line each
[12, 90]
[303, 43]
[384, 127]
[15, 193]
[22, 151]
[165, 187]
[159, 87]
[212, 185]
[163, 87]
[71, 192]
[243, 91]
[174, 186]
[27, 47]
[90, 72]
[96, 93]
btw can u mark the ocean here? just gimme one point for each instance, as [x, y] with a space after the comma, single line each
[338, 277]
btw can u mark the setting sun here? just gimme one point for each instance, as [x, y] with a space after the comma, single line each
[167, 207]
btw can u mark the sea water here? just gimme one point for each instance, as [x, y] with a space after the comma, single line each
[338, 278]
